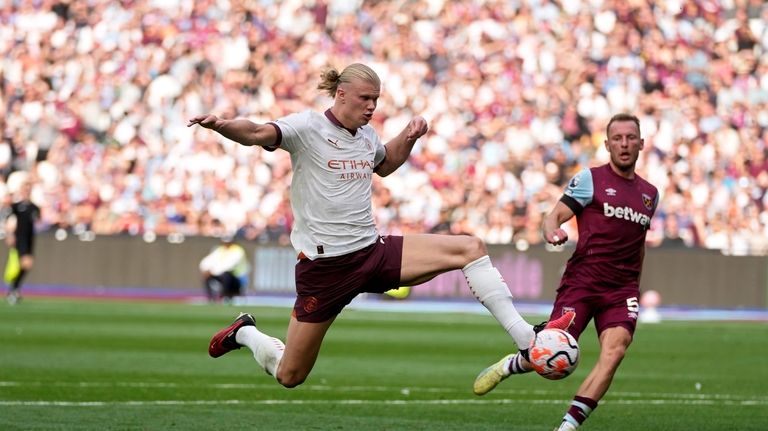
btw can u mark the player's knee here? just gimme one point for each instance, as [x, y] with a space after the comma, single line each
[614, 354]
[290, 379]
[289, 384]
[618, 352]
[26, 262]
[474, 248]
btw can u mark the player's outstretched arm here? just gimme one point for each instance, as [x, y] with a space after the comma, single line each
[550, 226]
[399, 148]
[240, 130]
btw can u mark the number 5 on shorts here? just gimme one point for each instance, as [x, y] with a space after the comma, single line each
[633, 305]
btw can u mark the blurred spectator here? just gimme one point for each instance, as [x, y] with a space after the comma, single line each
[673, 235]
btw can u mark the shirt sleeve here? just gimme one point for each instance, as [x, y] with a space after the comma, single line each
[291, 127]
[380, 152]
[579, 191]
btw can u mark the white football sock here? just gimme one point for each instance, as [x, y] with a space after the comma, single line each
[266, 350]
[488, 286]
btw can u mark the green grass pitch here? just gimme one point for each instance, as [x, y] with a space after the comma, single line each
[70, 364]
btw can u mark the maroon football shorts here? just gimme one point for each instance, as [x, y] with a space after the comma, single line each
[324, 286]
[609, 306]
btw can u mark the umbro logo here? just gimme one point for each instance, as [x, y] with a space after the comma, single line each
[334, 143]
[610, 191]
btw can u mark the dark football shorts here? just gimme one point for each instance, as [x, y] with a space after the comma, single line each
[25, 244]
[324, 286]
[609, 306]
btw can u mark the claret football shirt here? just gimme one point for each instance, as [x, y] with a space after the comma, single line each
[613, 215]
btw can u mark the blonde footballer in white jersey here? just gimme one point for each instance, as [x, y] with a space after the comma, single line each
[334, 156]
[331, 185]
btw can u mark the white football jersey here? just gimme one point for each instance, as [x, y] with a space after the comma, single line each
[331, 185]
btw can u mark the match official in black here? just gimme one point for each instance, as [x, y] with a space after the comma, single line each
[20, 238]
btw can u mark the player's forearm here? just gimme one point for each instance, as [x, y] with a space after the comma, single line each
[399, 149]
[246, 132]
[549, 225]
[552, 221]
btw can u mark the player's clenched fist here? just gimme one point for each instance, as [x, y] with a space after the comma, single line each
[417, 128]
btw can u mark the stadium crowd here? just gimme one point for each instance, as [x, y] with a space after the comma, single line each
[95, 96]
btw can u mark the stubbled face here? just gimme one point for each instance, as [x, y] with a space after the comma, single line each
[356, 101]
[624, 145]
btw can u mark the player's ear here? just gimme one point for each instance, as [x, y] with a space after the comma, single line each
[340, 93]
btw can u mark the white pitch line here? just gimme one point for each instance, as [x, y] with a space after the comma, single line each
[16, 403]
[616, 396]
